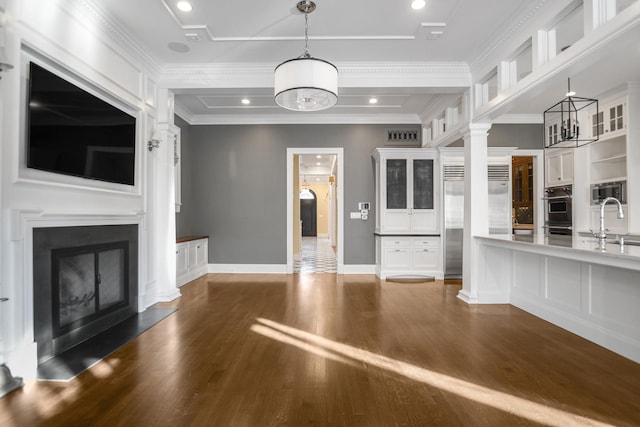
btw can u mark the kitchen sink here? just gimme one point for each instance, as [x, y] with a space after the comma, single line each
[626, 242]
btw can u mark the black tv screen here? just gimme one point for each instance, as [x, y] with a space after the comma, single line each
[73, 132]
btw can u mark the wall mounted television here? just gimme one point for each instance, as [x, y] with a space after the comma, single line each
[73, 132]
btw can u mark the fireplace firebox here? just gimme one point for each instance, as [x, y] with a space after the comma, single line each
[88, 282]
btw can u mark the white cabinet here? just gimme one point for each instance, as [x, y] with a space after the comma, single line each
[552, 134]
[408, 256]
[182, 259]
[406, 191]
[610, 120]
[191, 259]
[558, 166]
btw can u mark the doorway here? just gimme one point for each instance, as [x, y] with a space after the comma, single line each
[527, 185]
[522, 194]
[324, 241]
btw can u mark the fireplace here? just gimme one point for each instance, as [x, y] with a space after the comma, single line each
[85, 281]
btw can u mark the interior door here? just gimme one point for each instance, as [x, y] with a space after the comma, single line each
[308, 215]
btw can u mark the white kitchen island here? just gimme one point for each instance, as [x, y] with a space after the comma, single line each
[567, 282]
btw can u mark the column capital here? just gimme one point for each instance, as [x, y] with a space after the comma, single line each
[475, 129]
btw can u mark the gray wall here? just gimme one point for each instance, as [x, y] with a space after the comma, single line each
[526, 136]
[234, 184]
[238, 187]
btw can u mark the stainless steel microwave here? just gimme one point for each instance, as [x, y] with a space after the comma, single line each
[617, 189]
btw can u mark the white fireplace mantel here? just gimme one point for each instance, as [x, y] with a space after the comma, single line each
[19, 346]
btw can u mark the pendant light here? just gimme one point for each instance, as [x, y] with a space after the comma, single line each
[306, 83]
[562, 128]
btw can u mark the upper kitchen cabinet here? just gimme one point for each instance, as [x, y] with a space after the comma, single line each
[609, 154]
[406, 194]
[609, 121]
[558, 166]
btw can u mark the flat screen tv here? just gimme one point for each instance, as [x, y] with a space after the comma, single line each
[72, 132]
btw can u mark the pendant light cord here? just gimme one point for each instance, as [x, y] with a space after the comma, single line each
[306, 36]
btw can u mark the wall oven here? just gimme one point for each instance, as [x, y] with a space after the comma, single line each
[559, 212]
[617, 189]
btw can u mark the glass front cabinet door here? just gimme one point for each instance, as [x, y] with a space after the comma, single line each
[407, 194]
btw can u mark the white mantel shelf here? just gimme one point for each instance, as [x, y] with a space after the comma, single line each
[567, 282]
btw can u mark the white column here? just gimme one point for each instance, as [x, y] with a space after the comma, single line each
[162, 219]
[632, 115]
[476, 208]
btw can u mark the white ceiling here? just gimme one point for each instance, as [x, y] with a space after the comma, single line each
[340, 31]
[343, 32]
[354, 33]
[316, 167]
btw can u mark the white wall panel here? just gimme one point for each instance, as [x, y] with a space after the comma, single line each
[564, 286]
[526, 273]
[76, 41]
[615, 297]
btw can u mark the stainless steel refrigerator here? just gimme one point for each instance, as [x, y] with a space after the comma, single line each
[499, 211]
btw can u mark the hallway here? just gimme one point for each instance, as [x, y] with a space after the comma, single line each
[317, 256]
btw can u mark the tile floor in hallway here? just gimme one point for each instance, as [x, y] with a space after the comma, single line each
[317, 256]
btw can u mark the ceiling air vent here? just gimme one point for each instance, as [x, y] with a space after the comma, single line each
[403, 137]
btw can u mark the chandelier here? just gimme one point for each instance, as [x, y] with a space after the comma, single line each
[562, 128]
[306, 83]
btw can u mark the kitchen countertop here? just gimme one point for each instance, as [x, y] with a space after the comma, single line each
[578, 247]
[190, 238]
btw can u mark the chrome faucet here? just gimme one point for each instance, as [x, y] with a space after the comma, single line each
[602, 234]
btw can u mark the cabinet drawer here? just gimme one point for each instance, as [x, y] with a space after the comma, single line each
[425, 258]
[396, 241]
[398, 258]
[426, 241]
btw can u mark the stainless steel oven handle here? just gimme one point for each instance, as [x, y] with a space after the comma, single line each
[561, 227]
[557, 197]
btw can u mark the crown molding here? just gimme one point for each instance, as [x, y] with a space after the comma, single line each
[518, 21]
[233, 75]
[519, 119]
[295, 118]
[117, 33]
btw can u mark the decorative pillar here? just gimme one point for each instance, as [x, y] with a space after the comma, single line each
[162, 219]
[476, 208]
[633, 157]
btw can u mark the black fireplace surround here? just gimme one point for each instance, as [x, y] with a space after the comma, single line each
[85, 280]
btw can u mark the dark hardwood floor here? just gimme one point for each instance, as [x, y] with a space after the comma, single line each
[328, 350]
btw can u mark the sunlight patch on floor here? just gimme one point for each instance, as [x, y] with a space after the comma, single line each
[353, 356]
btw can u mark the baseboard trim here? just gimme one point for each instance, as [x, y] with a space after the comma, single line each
[248, 268]
[359, 269]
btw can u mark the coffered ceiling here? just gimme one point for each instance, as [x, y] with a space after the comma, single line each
[413, 62]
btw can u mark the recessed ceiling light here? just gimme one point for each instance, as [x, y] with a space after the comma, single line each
[184, 6]
[373, 100]
[418, 4]
[318, 156]
[245, 101]
[318, 164]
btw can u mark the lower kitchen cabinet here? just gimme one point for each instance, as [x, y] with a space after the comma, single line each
[408, 256]
[192, 254]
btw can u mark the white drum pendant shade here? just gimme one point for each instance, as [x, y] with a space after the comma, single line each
[306, 84]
